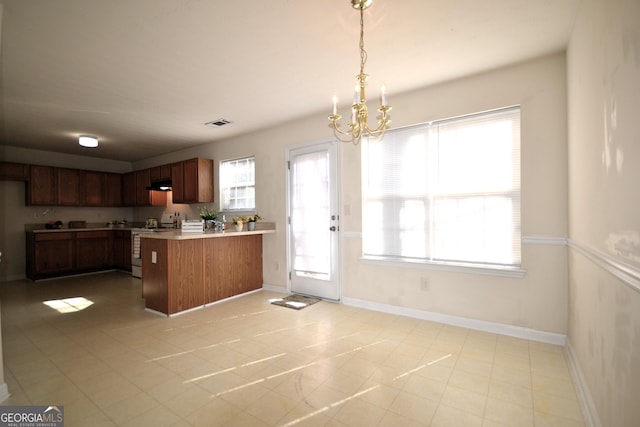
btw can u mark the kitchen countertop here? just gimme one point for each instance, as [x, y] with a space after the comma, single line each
[158, 233]
[67, 229]
[181, 235]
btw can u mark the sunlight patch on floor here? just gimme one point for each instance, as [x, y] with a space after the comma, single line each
[69, 305]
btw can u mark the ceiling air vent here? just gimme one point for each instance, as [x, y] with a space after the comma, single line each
[218, 123]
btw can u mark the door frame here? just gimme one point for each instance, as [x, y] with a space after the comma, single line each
[338, 196]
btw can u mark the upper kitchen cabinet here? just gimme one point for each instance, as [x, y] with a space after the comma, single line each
[135, 193]
[93, 188]
[42, 186]
[68, 189]
[112, 189]
[192, 181]
[14, 171]
[101, 188]
[129, 189]
[146, 197]
[160, 173]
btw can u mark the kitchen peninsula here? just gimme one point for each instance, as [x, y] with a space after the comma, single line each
[183, 270]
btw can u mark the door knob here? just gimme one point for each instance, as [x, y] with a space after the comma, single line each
[332, 228]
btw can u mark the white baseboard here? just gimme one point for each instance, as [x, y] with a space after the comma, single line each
[584, 395]
[4, 392]
[480, 325]
[274, 288]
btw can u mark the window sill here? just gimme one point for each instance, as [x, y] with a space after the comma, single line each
[518, 273]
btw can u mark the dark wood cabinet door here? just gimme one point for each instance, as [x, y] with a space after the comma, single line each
[190, 180]
[14, 171]
[52, 255]
[93, 250]
[41, 189]
[177, 182]
[93, 188]
[68, 187]
[143, 180]
[112, 189]
[160, 173]
[122, 249]
[129, 191]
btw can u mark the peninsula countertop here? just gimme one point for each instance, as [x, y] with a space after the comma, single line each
[188, 235]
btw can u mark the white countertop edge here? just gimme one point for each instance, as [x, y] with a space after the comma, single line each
[186, 235]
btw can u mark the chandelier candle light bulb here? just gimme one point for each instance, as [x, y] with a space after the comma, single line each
[359, 125]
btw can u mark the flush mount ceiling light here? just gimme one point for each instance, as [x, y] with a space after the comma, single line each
[359, 125]
[88, 141]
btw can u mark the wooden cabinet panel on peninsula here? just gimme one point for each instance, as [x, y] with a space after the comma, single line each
[172, 278]
[232, 266]
[181, 273]
[192, 181]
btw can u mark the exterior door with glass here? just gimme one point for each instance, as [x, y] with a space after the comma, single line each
[314, 220]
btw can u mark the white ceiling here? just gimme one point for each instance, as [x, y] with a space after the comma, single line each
[145, 75]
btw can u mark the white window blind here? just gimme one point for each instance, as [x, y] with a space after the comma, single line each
[237, 184]
[445, 192]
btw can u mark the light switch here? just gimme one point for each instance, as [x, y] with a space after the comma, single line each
[154, 257]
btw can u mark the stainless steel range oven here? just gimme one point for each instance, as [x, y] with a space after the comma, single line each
[136, 250]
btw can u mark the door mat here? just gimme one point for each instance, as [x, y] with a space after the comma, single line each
[297, 302]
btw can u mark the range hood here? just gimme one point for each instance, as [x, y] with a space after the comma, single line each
[164, 185]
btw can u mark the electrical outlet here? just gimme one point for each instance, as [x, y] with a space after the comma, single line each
[424, 284]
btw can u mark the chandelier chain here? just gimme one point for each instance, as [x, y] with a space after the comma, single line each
[363, 53]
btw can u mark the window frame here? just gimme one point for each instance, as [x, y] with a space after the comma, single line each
[431, 261]
[224, 185]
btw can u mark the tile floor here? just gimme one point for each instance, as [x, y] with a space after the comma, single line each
[248, 362]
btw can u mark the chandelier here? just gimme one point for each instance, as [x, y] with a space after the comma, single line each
[359, 125]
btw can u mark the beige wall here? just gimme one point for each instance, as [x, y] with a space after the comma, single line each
[604, 174]
[537, 301]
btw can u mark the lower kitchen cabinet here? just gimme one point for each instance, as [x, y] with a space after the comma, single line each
[50, 254]
[93, 250]
[63, 253]
[122, 249]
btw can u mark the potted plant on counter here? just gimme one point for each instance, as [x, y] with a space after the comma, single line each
[251, 221]
[238, 221]
[209, 216]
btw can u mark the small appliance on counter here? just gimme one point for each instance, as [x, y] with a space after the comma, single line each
[167, 221]
[151, 223]
[192, 226]
[77, 224]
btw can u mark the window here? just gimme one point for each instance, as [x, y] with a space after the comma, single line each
[238, 184]
[445, 192]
